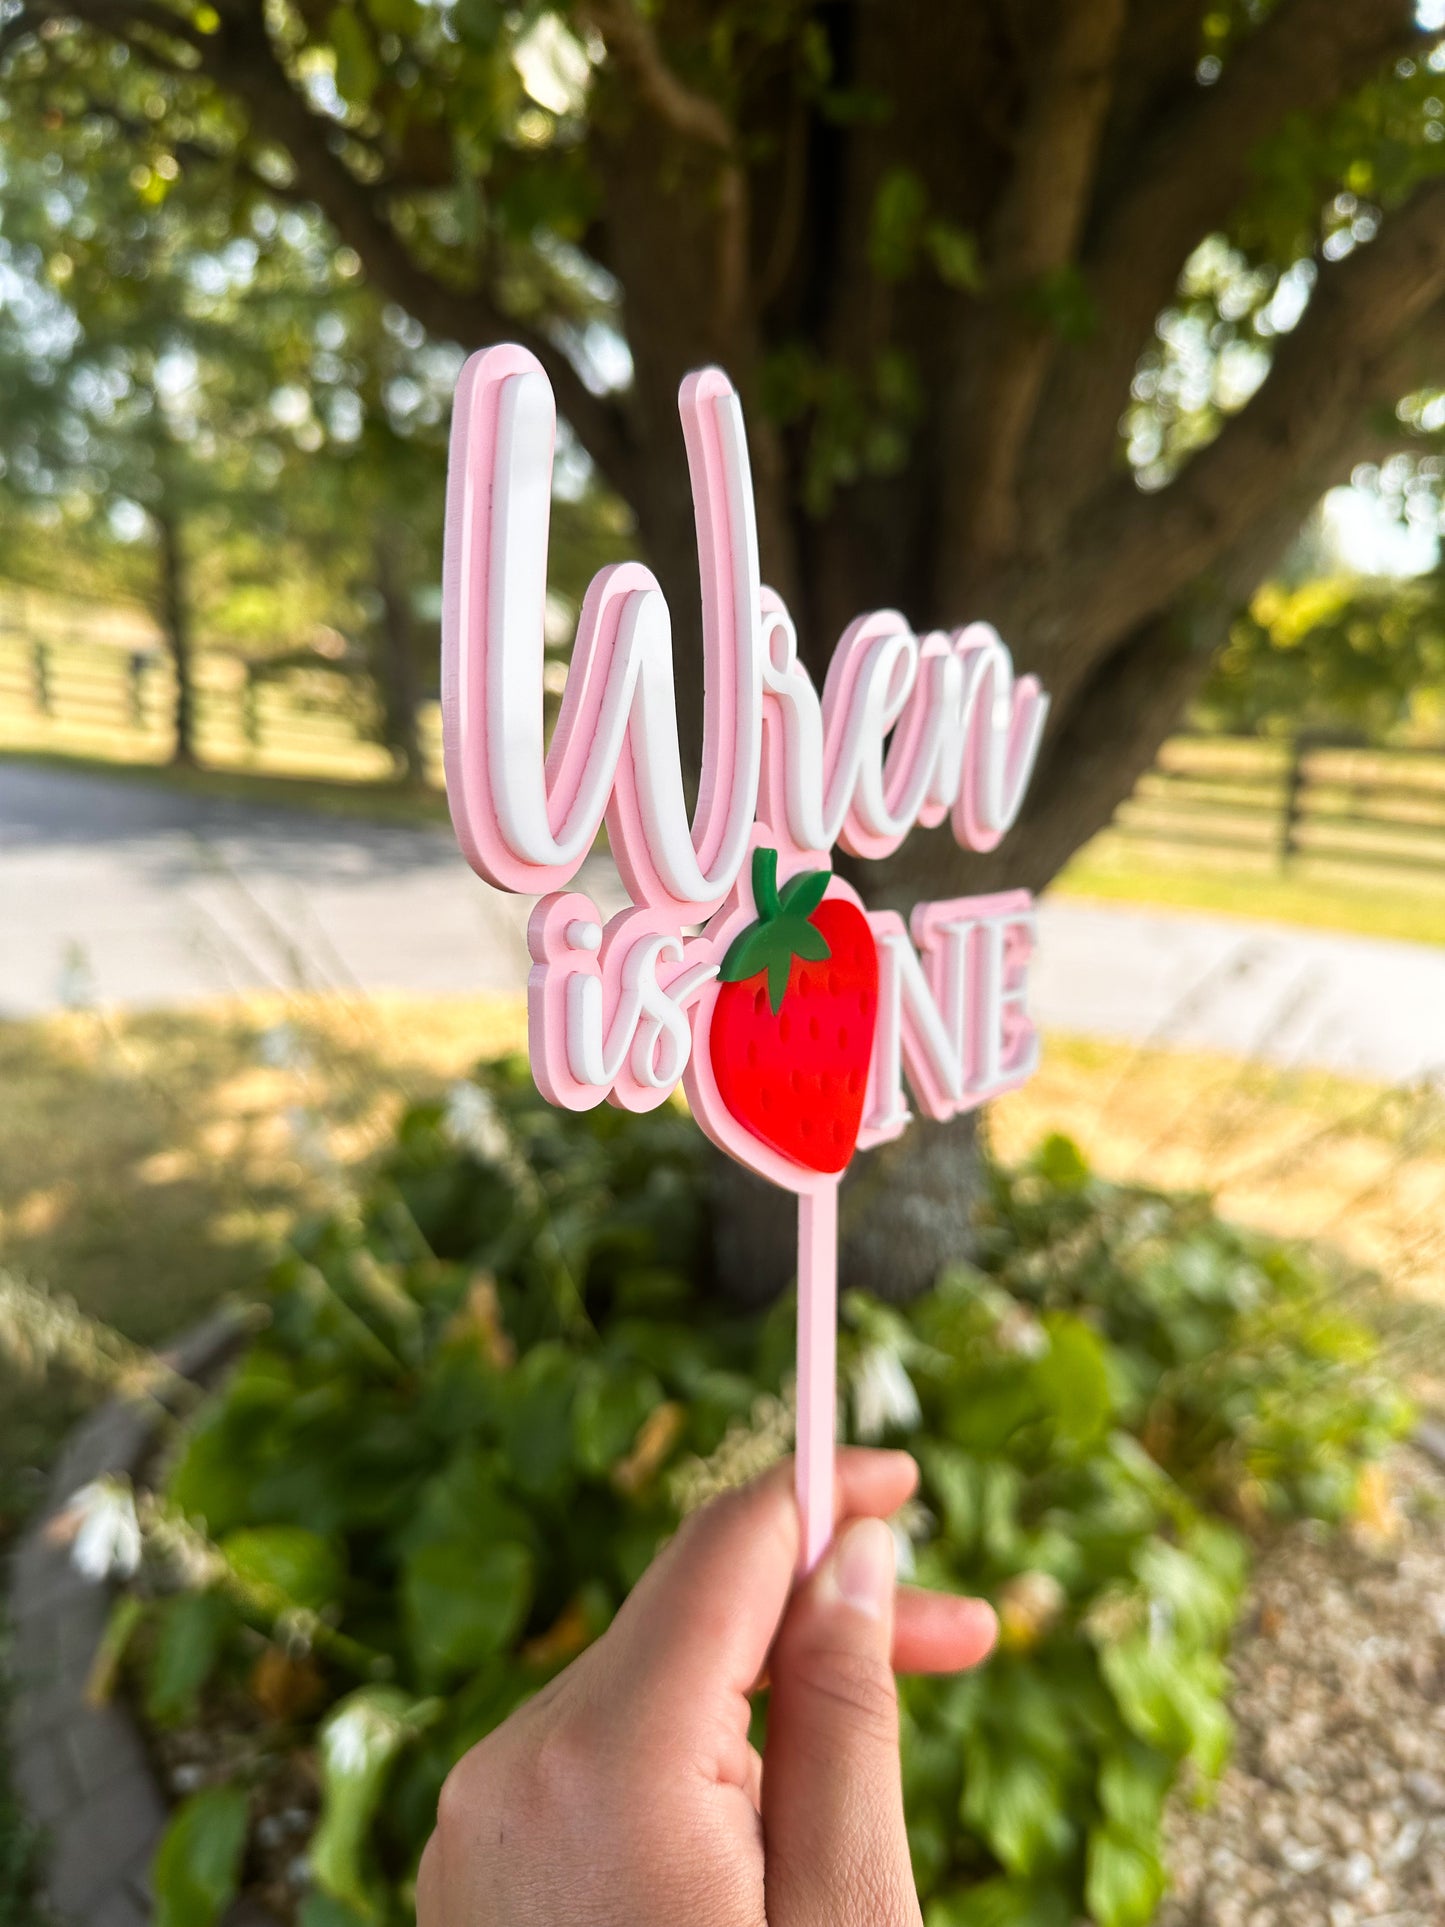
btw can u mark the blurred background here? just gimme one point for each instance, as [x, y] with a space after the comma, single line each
[1117, 323]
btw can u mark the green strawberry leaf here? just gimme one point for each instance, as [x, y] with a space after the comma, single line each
[782, 931]
[779, 970]
[751, 953]
[810, 944]
[803, 893]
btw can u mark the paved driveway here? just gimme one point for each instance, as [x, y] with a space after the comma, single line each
[138, 896]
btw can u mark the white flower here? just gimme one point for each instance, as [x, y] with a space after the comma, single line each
[356, 1736]
[472, 1123]
[108, 1538]
[883, 1396]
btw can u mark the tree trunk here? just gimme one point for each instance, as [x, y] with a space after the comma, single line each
[175, 615]
[906, 1214]
[398, 677]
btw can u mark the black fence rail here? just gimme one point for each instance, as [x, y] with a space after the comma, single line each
[1280, 804]
[1262, 805]
[105, 698]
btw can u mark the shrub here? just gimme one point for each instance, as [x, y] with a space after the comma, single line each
[488, 1389]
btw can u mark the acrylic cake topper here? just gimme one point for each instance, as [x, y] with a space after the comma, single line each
[793, 1016]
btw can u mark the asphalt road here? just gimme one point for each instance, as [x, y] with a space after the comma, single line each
[130, 894]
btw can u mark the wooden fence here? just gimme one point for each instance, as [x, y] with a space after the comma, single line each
[104, 698]
[1307, 802]
[1209, 799]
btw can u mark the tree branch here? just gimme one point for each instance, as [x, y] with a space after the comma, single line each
[1004, 361]
[1127, 556]
[1182, 184]
[694, 117]
[632, 44]
[242, 59]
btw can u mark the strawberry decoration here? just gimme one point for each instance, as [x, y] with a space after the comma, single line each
[792, 1027]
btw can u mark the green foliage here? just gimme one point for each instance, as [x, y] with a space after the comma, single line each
[852, 427]
[359, 1740]
[199, 1860]
[1365, 657]
[488, 1388]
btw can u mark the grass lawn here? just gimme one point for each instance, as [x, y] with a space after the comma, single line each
[148, 1163]
[1403, 904]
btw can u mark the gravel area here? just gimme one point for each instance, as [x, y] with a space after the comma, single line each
[1333, 1808]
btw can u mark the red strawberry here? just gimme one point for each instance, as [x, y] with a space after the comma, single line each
[792, 1028]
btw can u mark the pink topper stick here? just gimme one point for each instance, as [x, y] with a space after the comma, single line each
[817, 1367]
[743, 969]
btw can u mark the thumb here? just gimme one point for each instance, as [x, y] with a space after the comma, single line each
[836, 1848]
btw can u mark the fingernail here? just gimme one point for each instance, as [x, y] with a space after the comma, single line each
[863, 1567]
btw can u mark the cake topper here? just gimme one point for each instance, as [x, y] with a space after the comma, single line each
[745, 969]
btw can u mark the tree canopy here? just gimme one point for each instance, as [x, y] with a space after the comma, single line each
[946, 252]
[1056, 313]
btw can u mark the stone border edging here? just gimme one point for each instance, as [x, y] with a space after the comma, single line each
[81, 1770]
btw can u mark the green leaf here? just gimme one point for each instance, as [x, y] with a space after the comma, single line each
[358, 71]
[1074, 1377]
[1134, 1781]
[610, 1407]
[1015, 1804]
[1004, 1903]
[899, 207]
[464, 1602]
[536, 1420]
[190, 1629]
[803, 893]
[360, 1739]
[955, 1483]
[396, 16]
[288, 1563]
[955, 256]
[779, 971]
[750, 953]
[1167, 1700]
[319, 1909]
[197, 1866]
[1061, 1163]
[1124, 1882]
[809, 943]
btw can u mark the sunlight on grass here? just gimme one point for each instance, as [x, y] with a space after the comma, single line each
[1357, 1167]
[150, 1162]
[1411, 907]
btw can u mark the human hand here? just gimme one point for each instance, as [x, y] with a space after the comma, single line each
[626, 1793]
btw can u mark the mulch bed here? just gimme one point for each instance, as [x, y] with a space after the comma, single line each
[1333, 1808]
